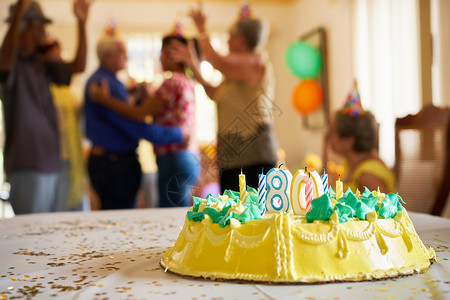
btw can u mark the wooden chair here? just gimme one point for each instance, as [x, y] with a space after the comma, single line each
[422, 148]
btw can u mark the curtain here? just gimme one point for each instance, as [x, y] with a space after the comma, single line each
[386, 63]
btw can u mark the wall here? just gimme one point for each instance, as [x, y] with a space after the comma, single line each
[334, 16]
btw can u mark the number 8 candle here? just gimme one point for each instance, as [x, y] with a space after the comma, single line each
[278, 187]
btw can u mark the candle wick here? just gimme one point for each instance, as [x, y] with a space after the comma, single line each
[280, 165]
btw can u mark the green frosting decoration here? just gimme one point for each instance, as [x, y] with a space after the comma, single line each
[390, 206]
[211, 207]
[350, 206]
[344, 212]
[320, 209]
[222, 209]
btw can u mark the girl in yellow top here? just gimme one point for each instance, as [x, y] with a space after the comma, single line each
[353, 135]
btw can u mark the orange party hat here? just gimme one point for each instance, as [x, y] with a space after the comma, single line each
[353, 106]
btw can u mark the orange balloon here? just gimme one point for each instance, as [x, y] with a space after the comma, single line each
[307, 96]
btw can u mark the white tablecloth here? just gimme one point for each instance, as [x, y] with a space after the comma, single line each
[116, 254]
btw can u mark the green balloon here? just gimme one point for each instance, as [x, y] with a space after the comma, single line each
[303, 60]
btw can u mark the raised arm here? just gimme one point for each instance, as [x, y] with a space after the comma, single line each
[10, 45]
[237, 65]
[81, 11]
[188, 56]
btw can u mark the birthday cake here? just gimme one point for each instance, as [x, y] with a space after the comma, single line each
[335, 236]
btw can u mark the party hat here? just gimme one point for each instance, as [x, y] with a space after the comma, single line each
[245, 13]
[112, 30]
[352, 106]
[178, 28]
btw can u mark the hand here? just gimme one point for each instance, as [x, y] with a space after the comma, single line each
[99, 92]
[199, 19]
[24, 4]
[81, 9]
[186, 137]
[21, 7]
[148, 90]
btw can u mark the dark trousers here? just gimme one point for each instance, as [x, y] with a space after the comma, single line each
[229, 179]
[116, 179]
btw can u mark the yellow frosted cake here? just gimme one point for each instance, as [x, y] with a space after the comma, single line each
[352, 238]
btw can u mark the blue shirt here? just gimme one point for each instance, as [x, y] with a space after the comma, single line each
[114, 132]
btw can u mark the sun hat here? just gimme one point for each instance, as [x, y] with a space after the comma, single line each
[33, 13]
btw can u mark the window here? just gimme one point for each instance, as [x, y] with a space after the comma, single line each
[386, 63]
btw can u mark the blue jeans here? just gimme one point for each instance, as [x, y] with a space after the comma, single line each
[177, 173]
[33, 192]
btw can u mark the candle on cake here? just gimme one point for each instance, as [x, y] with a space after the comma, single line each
[278, 183]
[325, 181]
[242, 187]
[262, 191]
[339, 188]
[309, 193]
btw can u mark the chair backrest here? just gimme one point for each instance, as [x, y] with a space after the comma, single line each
[423, 159]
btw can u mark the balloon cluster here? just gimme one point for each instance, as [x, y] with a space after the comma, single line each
[305, 62]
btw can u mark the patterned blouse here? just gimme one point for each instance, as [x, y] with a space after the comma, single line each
[178, 110]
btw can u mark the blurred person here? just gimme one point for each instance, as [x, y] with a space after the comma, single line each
[114, 169]
[353, 135]
[71, 192]
[32, 146]
[246, 142]
[172, 104]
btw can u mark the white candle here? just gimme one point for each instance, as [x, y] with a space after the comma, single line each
[298, 199]
[278, 186]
